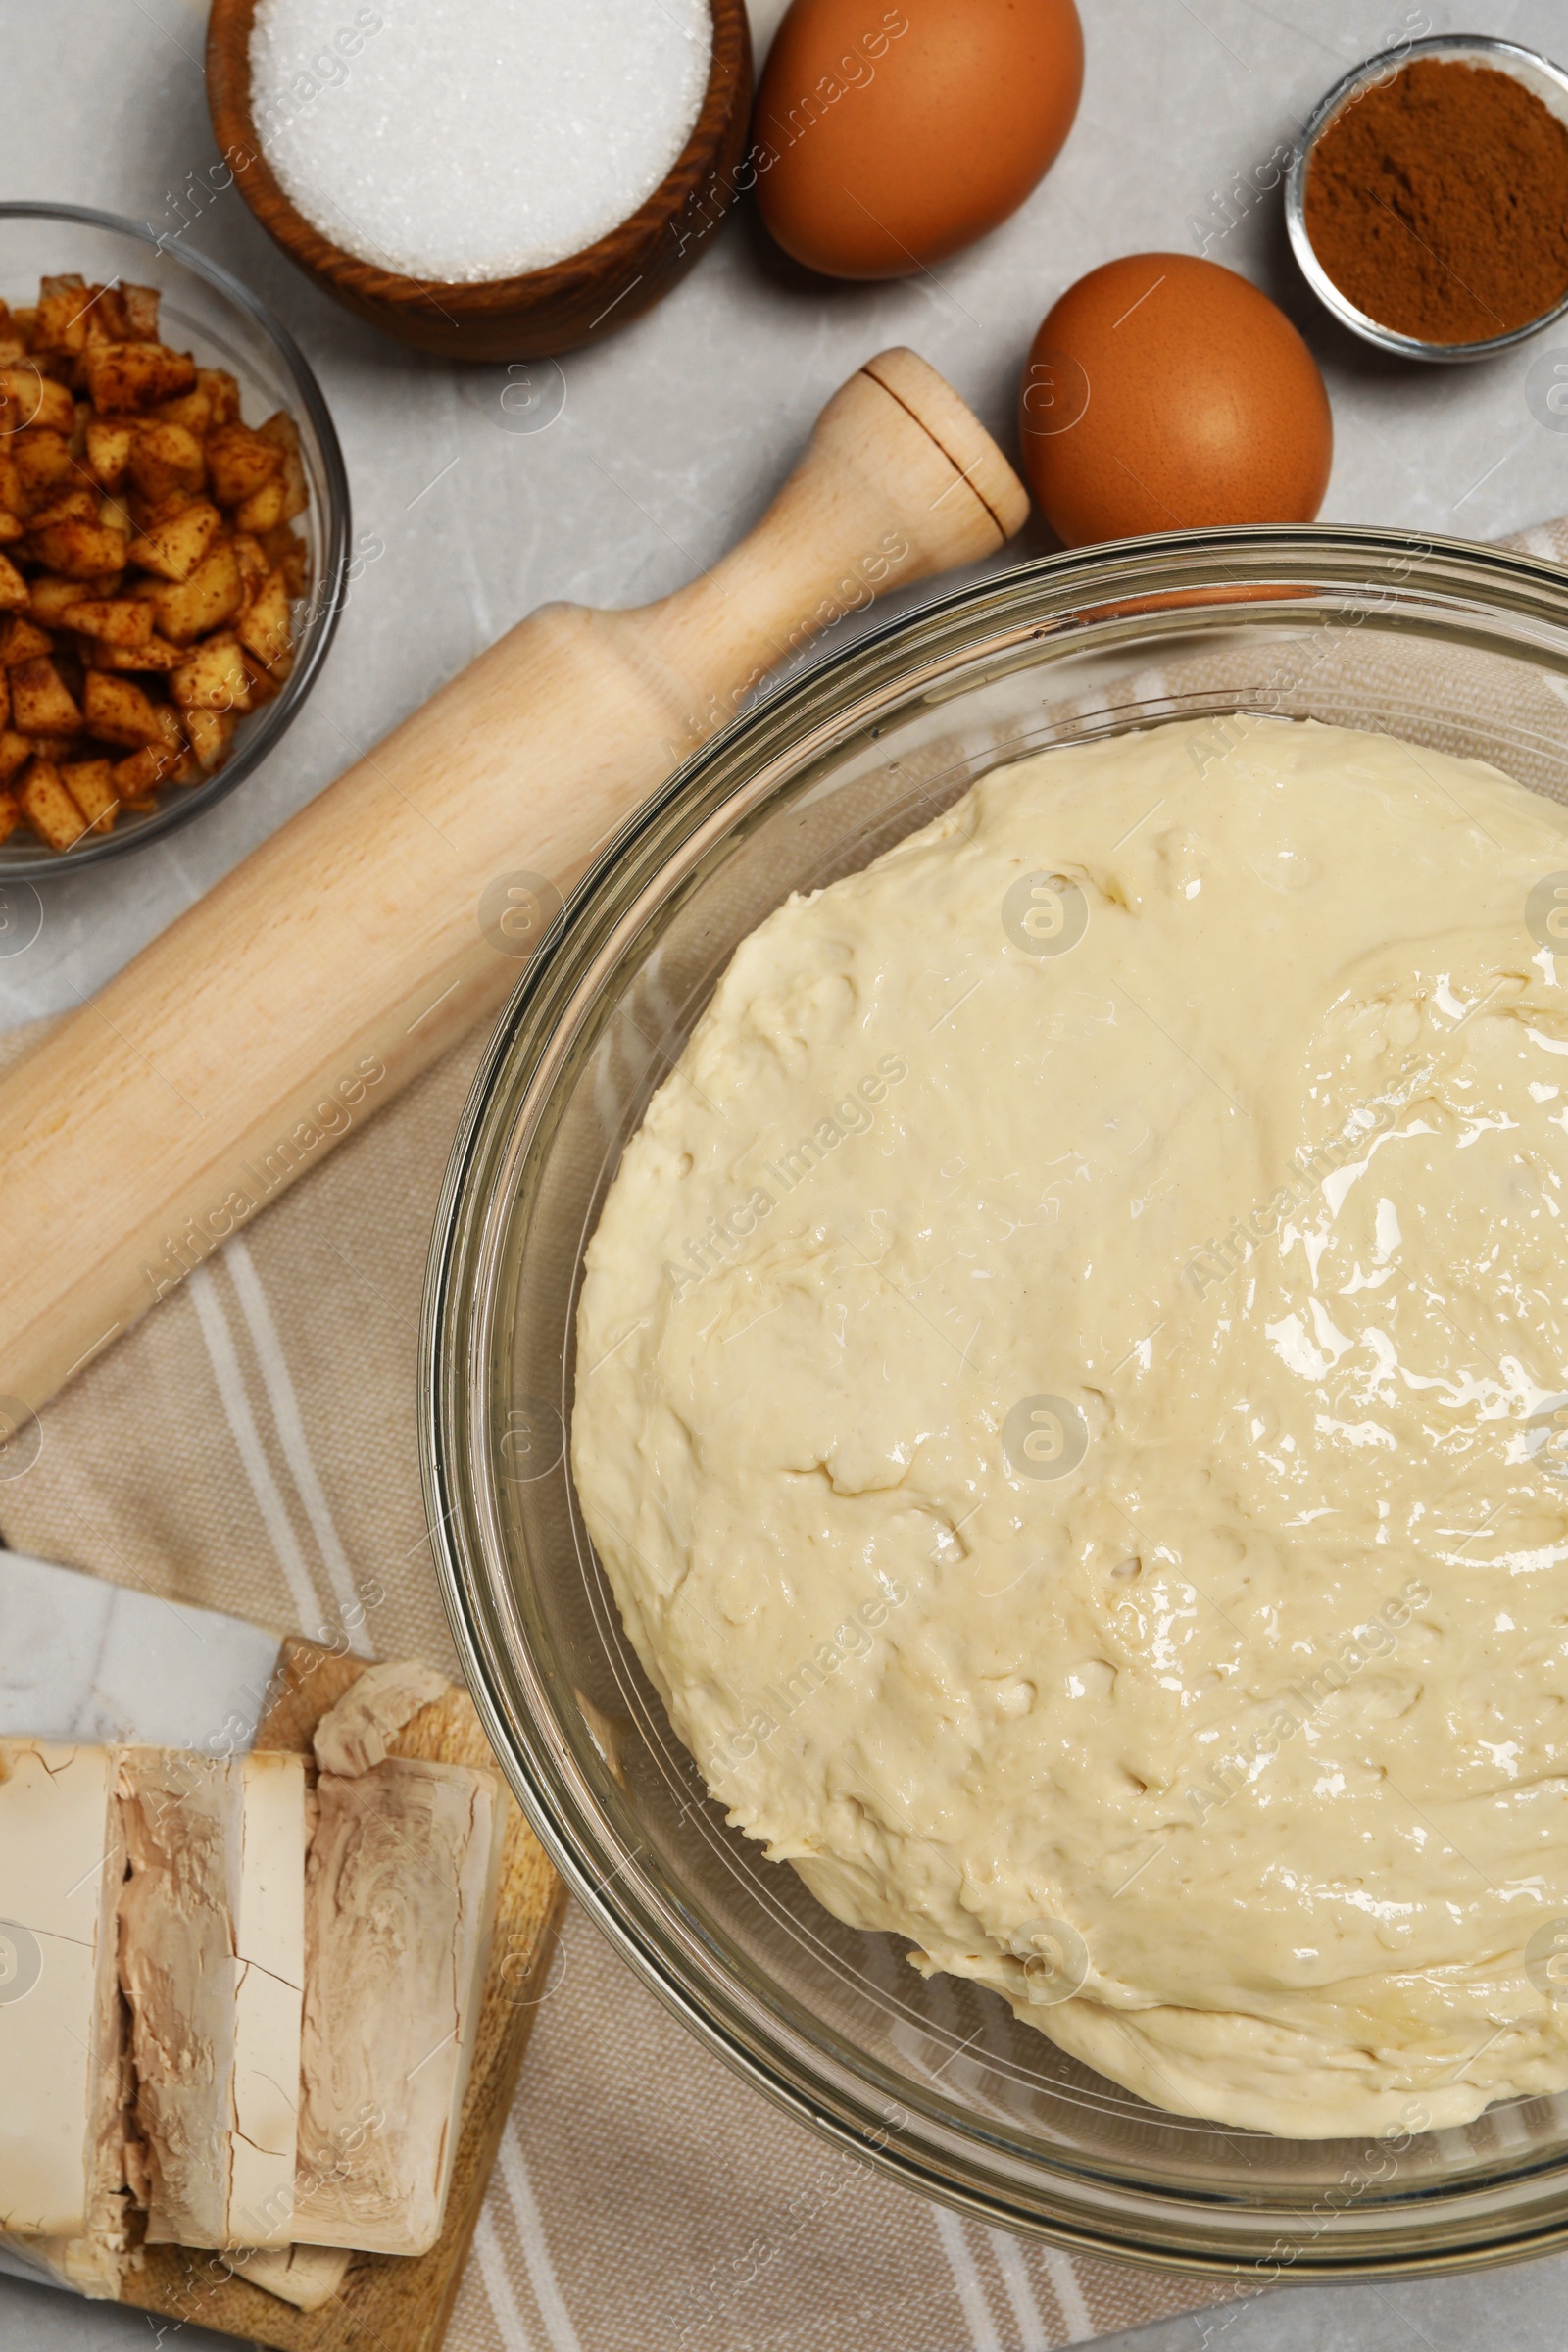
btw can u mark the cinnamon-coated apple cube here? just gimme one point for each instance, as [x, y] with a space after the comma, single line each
[49, 808]
[31, 399]
[239, 462]
[117, 711]
[79, 548]
[40, 701]
[262, 511]
[211, 734]
[118, 620]
[43, 460]
[23, 641]
[281, 431]
[192, 410]
[213, 677]
[211, 596]
[222, 393]
[124, 377]
[140, 307]
[164, 458]
[109, 451]
[173, 546]
[265, 625]
[88, 783]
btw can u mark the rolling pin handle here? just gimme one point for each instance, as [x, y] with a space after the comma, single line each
[899, 482]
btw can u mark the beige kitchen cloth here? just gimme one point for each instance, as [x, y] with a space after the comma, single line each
[251, 1446]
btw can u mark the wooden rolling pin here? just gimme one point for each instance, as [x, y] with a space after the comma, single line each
[341, 957]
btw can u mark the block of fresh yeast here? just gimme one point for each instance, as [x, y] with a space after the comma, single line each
[61, 2062]
[400, 1897]
[212, 1963]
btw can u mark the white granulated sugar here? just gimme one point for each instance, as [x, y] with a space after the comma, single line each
[463, 140]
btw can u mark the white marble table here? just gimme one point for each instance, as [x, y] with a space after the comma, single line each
[669, 441]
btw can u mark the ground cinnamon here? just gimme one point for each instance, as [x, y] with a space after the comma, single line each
[1439, 204]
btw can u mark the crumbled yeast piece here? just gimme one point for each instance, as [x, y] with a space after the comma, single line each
[357, 1733]
[62, 2056]
[212, 1963]
[400, 1894]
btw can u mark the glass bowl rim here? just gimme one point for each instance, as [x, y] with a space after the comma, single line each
[514, 1081]
[326, 596]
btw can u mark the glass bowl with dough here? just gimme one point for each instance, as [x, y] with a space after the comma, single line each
[997, 1404]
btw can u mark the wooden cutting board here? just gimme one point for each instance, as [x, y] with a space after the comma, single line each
[391, 2303]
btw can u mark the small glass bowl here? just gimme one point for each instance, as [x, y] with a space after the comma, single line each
[1548, 81]
[206, 311]
[1461, 648]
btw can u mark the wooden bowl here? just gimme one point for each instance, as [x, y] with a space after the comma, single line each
[544, 310]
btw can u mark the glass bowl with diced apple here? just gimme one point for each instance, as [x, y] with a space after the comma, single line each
[174, 535]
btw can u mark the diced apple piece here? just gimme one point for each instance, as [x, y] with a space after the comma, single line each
[40, 703]
[74, 501]
[88, 783]
[164, 458]
[13, 588]
[264, 684]
[265, 625]
[103, 320]
[214, 676]
[29, 399]
[15, 753]
[118, 620]
[61, 320]
[117, 710]
[285, 549]
[174, 548]
[154, 653]
[170, 733]
[211, 596]
[23, 642]
[262, 511]
[281, 429]
[10, 814]
[142, 771]
[79, 548]
[239, 462]
[140, 307]
[211, 734]
[49, 808]
[48, 595]
[192, 410]
[131, 376]
[109, 451]
[223, 391]
[251, 557]
[42, 460]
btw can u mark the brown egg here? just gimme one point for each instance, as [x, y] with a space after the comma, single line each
[886, 137]
[1163, 392]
